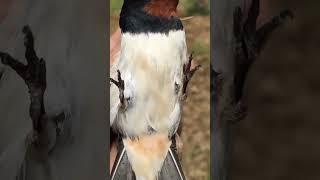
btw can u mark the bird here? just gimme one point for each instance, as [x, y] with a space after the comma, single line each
[148, 83]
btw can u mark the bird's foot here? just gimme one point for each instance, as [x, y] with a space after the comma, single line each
[120, 85]
[250, 40]
[188, 73]
[33, 74]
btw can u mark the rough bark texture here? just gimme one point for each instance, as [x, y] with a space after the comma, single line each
[234, 54]
[70, 36]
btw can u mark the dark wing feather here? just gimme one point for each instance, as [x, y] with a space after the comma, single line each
[171, 169]
[122, 169]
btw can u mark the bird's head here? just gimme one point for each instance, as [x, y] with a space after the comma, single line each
[159, 8]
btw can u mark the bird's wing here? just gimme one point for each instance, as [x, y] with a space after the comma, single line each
[171, 168]
[121, 169]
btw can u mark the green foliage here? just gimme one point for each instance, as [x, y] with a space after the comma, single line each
[199, 48]
[195, 7]
[115, 6]
[189, 7]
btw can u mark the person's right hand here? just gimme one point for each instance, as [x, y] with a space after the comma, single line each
[114, 55]
[115, 46]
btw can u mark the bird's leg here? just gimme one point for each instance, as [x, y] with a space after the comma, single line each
[34, 75]
[120, 85]
[188, 73]
[35, 79]
[249, 41]
[17, 66]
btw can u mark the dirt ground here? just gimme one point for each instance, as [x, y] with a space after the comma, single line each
[279, 138]
[196, 111]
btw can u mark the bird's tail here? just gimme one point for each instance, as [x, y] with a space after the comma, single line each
[151, 157]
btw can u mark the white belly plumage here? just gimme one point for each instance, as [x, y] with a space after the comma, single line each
[150, 65]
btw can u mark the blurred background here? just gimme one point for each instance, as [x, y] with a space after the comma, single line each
[196, 111]
[279, 140]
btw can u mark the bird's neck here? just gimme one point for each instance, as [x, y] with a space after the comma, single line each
[162, 8]
[156, 16]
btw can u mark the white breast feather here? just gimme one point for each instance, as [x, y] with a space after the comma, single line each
[150, 65]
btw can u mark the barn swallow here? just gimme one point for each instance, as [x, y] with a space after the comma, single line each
[148, 84]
